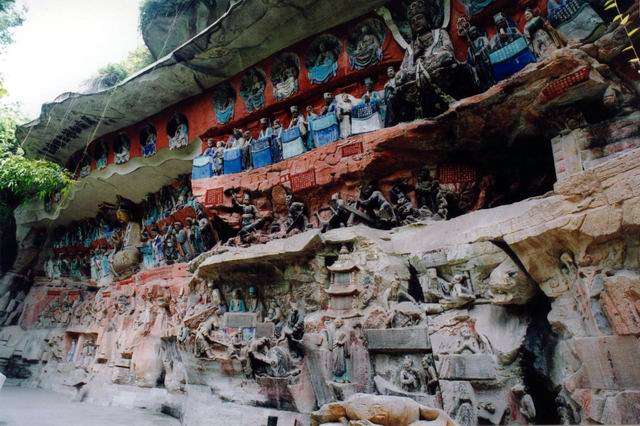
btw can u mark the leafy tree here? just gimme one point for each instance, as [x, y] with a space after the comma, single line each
[137, 59]
[112, 74]
[10, 16]
[21, 178]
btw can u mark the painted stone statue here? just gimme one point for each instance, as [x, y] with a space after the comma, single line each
[322, 59]
[576, 20]
[284, 76]
[430, 76]
[365, 45]
[251, 219]
[477, 53]
[340, 353]
[101, 153]
[252, 88]
[148, 140]
[122, 148]
[224, 99]
[542, 37]
[236, 303]
[179, 132]
[509, 49]
[254, 303]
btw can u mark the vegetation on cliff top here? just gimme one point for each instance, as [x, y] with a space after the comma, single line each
[21, 178]
[112, 74]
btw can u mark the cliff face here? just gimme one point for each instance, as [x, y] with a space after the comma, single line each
[165, 25]
[479, 266]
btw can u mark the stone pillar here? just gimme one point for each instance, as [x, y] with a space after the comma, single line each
[2, 379]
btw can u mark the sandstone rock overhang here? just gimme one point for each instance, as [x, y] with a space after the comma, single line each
[249, 32]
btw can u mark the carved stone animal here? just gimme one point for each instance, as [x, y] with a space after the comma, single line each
[510, 285]
[380, 410]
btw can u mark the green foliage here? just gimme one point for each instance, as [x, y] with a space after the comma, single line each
[138, 59]
[109, 76]
[10, 118]
[22, 179]
[10, 17]
[112, 74]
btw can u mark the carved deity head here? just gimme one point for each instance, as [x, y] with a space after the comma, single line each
[528, 14]
[407, 363]
[391, 73]
[423, 15]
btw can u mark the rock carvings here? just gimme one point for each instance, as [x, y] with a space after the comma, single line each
[354, 263]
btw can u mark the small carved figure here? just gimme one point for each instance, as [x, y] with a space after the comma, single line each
[390, 99]
[274, 315]
[408, 377]
[470, 342]
[344, 107]
[525, 402]
[296, 220]
[478, 57]
[340, 352]
[377, 207]
[293, 331]
[405, 211]
[252, 88]
[341, 214]
[542, 37]
[430, 195]
[121, 148]
[203, 337]
[251, 219]
[236, 304]
[458, 292]
[269, 361]
[430, 375]
[254, 304]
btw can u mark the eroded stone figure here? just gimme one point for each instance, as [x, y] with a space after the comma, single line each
[470, 342]
[458, 292]
[254, 303]
[525, 402]
[366, 409]
[408, 376]
[340, 353]
[430, 382]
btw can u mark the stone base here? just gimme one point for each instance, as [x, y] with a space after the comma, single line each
[467, 367]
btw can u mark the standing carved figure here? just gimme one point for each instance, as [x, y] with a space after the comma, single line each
[340, 352]
[408, 377]
[251, 219]
[542, 37]
[430, 75]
